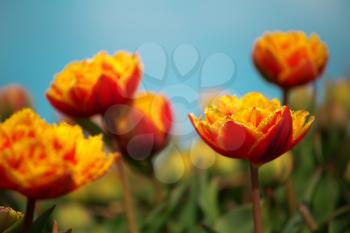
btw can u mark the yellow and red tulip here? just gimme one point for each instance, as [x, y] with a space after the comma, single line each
[252, 128]
[290, 59]
[144, 129]
[44, 161]
[89, 87]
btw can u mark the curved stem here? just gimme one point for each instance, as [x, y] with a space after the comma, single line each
[254, 177]
[127, 198]
[308, 218]
[29, 215]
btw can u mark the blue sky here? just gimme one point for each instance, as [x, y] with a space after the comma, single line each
[39, 37]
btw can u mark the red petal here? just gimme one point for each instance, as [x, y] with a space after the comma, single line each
[236, 140]
[208, 137]
[132, 83]
[167, 116]
[275, 141]
[68, 109]
[105, 93]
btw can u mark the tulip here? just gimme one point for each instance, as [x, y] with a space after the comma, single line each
[13, 98]
[290, 59]
[252, 128]
[89, 87]
[144, 130]
[45, 161]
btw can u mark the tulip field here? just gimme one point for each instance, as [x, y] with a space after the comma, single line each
[118, 155]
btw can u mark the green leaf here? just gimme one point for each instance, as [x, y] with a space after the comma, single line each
[208, 199]
[42, 221]
[208, 229]
[240, 220]
[294, 225]
[159, 216]
[188, 215]
[38, 225]
[325, 198]
[15, 228]
[341, 225]
[312, 185]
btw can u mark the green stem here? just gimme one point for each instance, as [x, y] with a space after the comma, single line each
[127, 198]
[285, 96]
[29, 215]
[254, 177]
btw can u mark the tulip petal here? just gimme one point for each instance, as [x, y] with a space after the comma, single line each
[301, 125]
[275, 141]
[65, 107]
[232, 139]
[205, 133]
[235, 139]
[266, 62]
[105, 94]
[133, 82]
[300, 74]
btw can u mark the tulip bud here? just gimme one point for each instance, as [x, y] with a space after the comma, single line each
[13, 98]
[277, 171]
[144, 129]
[8, 217]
